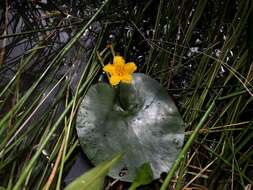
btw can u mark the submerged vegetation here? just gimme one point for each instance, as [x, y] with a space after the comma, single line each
[53, 51]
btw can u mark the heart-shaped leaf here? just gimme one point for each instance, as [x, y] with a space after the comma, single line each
[139, 119]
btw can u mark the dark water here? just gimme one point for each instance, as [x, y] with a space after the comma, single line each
[131, 40]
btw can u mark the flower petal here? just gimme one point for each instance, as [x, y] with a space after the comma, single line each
[114, 80]
[130, 67]
[126, 78]
[118, 60]
[109, 68]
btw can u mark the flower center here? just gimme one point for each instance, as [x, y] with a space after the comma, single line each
[120, 70]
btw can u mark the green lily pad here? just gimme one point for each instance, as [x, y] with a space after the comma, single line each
[139, 119]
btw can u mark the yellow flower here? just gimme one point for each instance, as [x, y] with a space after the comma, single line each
[120, 71]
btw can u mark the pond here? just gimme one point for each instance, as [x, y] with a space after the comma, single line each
[53, 53]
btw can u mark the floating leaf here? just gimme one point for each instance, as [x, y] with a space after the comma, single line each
[144, 176]
[139, 119]
[93, 179]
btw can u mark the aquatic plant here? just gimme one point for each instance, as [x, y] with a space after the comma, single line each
[52, 53]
